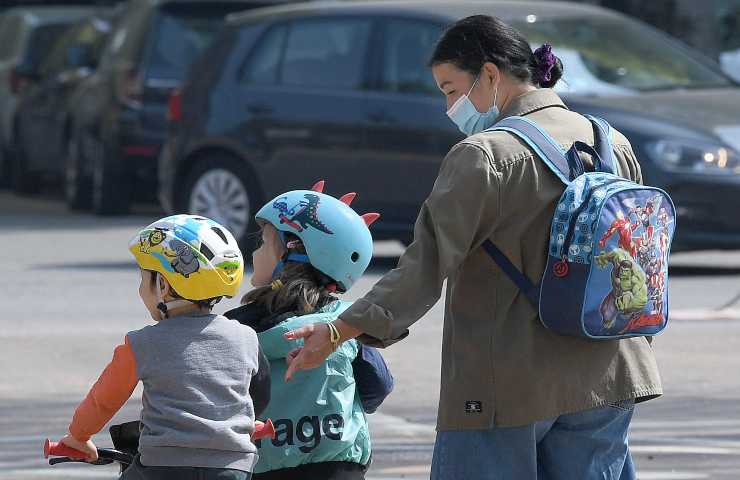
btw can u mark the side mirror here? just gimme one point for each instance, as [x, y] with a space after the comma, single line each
[80, 56]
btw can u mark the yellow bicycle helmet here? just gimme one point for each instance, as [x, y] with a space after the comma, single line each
[199, 258]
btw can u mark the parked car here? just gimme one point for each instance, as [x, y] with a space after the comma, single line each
[43, 109]
[25, 35]
[118, 125]
[290, 95]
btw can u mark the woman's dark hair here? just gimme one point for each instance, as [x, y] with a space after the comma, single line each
[478, 39]
[302, 289]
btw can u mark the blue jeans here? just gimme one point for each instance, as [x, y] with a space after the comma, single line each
[585, 445]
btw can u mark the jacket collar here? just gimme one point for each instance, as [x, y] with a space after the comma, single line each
[531, 102]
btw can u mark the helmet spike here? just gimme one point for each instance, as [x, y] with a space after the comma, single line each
[347, 198]
[370, 218]
[318, 186]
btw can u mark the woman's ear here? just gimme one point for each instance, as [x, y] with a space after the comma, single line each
[492, 73]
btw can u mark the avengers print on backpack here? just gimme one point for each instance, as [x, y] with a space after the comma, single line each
[607, 270]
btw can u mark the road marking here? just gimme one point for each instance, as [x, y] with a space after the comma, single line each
[683, 449]
[704, 314]
[687, 423]
[22, 439]
[643, 475]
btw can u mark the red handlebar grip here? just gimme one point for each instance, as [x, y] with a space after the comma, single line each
[263, 430]
[57, 449]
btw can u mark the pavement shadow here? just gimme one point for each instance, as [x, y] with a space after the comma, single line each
[703, 271]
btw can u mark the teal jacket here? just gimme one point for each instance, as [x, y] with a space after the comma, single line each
[318, 415]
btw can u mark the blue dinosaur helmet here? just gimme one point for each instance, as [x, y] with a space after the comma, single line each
[337, 240]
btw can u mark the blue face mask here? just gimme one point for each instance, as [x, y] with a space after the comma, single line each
[467, 118]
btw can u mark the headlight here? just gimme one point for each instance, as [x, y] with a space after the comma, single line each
[694, 158]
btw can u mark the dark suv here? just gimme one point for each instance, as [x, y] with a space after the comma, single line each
[119, 124]
[342, 92]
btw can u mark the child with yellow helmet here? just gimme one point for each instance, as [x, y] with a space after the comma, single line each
[198, 411]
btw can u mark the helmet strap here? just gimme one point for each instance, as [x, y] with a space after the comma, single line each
[163, 306]
[291, 257]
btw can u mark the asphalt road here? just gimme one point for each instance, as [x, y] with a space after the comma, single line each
[68, 294]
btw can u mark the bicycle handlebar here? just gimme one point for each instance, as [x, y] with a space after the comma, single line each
[263, 429]
[106, 455]
[69, 454]
[58, 449]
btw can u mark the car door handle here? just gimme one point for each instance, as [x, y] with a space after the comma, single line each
[381, 116]
[260, 109]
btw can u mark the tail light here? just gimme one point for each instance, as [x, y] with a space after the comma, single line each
[130, 88]
[174, 106]
[18, 82]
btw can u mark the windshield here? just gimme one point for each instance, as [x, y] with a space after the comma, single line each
[613, 56]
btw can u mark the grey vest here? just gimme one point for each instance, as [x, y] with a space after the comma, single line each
[197, 411]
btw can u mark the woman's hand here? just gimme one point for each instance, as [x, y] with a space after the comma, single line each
[87, 447]
[316, 345]
[315, 350]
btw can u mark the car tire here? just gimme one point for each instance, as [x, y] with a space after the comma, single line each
[221, 187]
[22, 181]
[77, 184]
[112, 185]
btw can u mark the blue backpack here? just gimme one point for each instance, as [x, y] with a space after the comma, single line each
[607, 270]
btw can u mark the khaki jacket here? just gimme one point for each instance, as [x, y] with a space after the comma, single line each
[500, 365]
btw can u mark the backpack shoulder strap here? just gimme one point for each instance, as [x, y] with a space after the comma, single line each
[538, 140]
[529, 289]
[603, 144]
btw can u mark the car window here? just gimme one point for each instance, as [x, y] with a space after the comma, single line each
[94, 34]
[262, 67]
[41, 38]
[91, 34]
[56, 59]
[180, 35]
[326, 53]
[407, 46]
[10, 33]
[613, 55]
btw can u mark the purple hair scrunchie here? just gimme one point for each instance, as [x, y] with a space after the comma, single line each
[546, 61]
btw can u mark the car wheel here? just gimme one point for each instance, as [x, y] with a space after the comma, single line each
[77, 185]
[111, 184]
[22, 181]
[221, 188]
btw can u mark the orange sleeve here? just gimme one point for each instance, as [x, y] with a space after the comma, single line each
[114, 386]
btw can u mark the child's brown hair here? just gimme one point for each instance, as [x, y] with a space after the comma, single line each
[298, 286]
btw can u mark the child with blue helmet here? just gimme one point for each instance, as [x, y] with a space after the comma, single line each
[314, 246]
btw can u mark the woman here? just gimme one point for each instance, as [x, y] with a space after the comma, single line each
[517, 400]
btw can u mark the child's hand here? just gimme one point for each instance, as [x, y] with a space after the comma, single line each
[87, 447]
